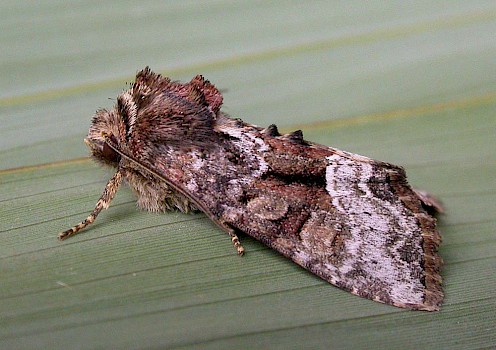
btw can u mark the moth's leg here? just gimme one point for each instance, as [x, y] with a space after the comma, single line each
[103, 203]
[234, 238]
[237, 244]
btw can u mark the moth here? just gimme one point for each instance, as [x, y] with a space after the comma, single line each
[351, 220]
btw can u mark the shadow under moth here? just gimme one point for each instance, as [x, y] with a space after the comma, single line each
[351, 220]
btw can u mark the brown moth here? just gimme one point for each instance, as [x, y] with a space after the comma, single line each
[351, 220]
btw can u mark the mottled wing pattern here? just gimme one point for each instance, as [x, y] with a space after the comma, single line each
[358, 224]
[353, 221]
[384, 245]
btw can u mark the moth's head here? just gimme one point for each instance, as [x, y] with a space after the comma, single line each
[104, 123]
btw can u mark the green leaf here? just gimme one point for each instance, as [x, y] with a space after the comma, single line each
[412, 84]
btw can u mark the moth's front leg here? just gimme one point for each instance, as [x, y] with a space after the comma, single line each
[103, 203]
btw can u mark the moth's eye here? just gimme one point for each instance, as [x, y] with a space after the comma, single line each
[109, 154]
